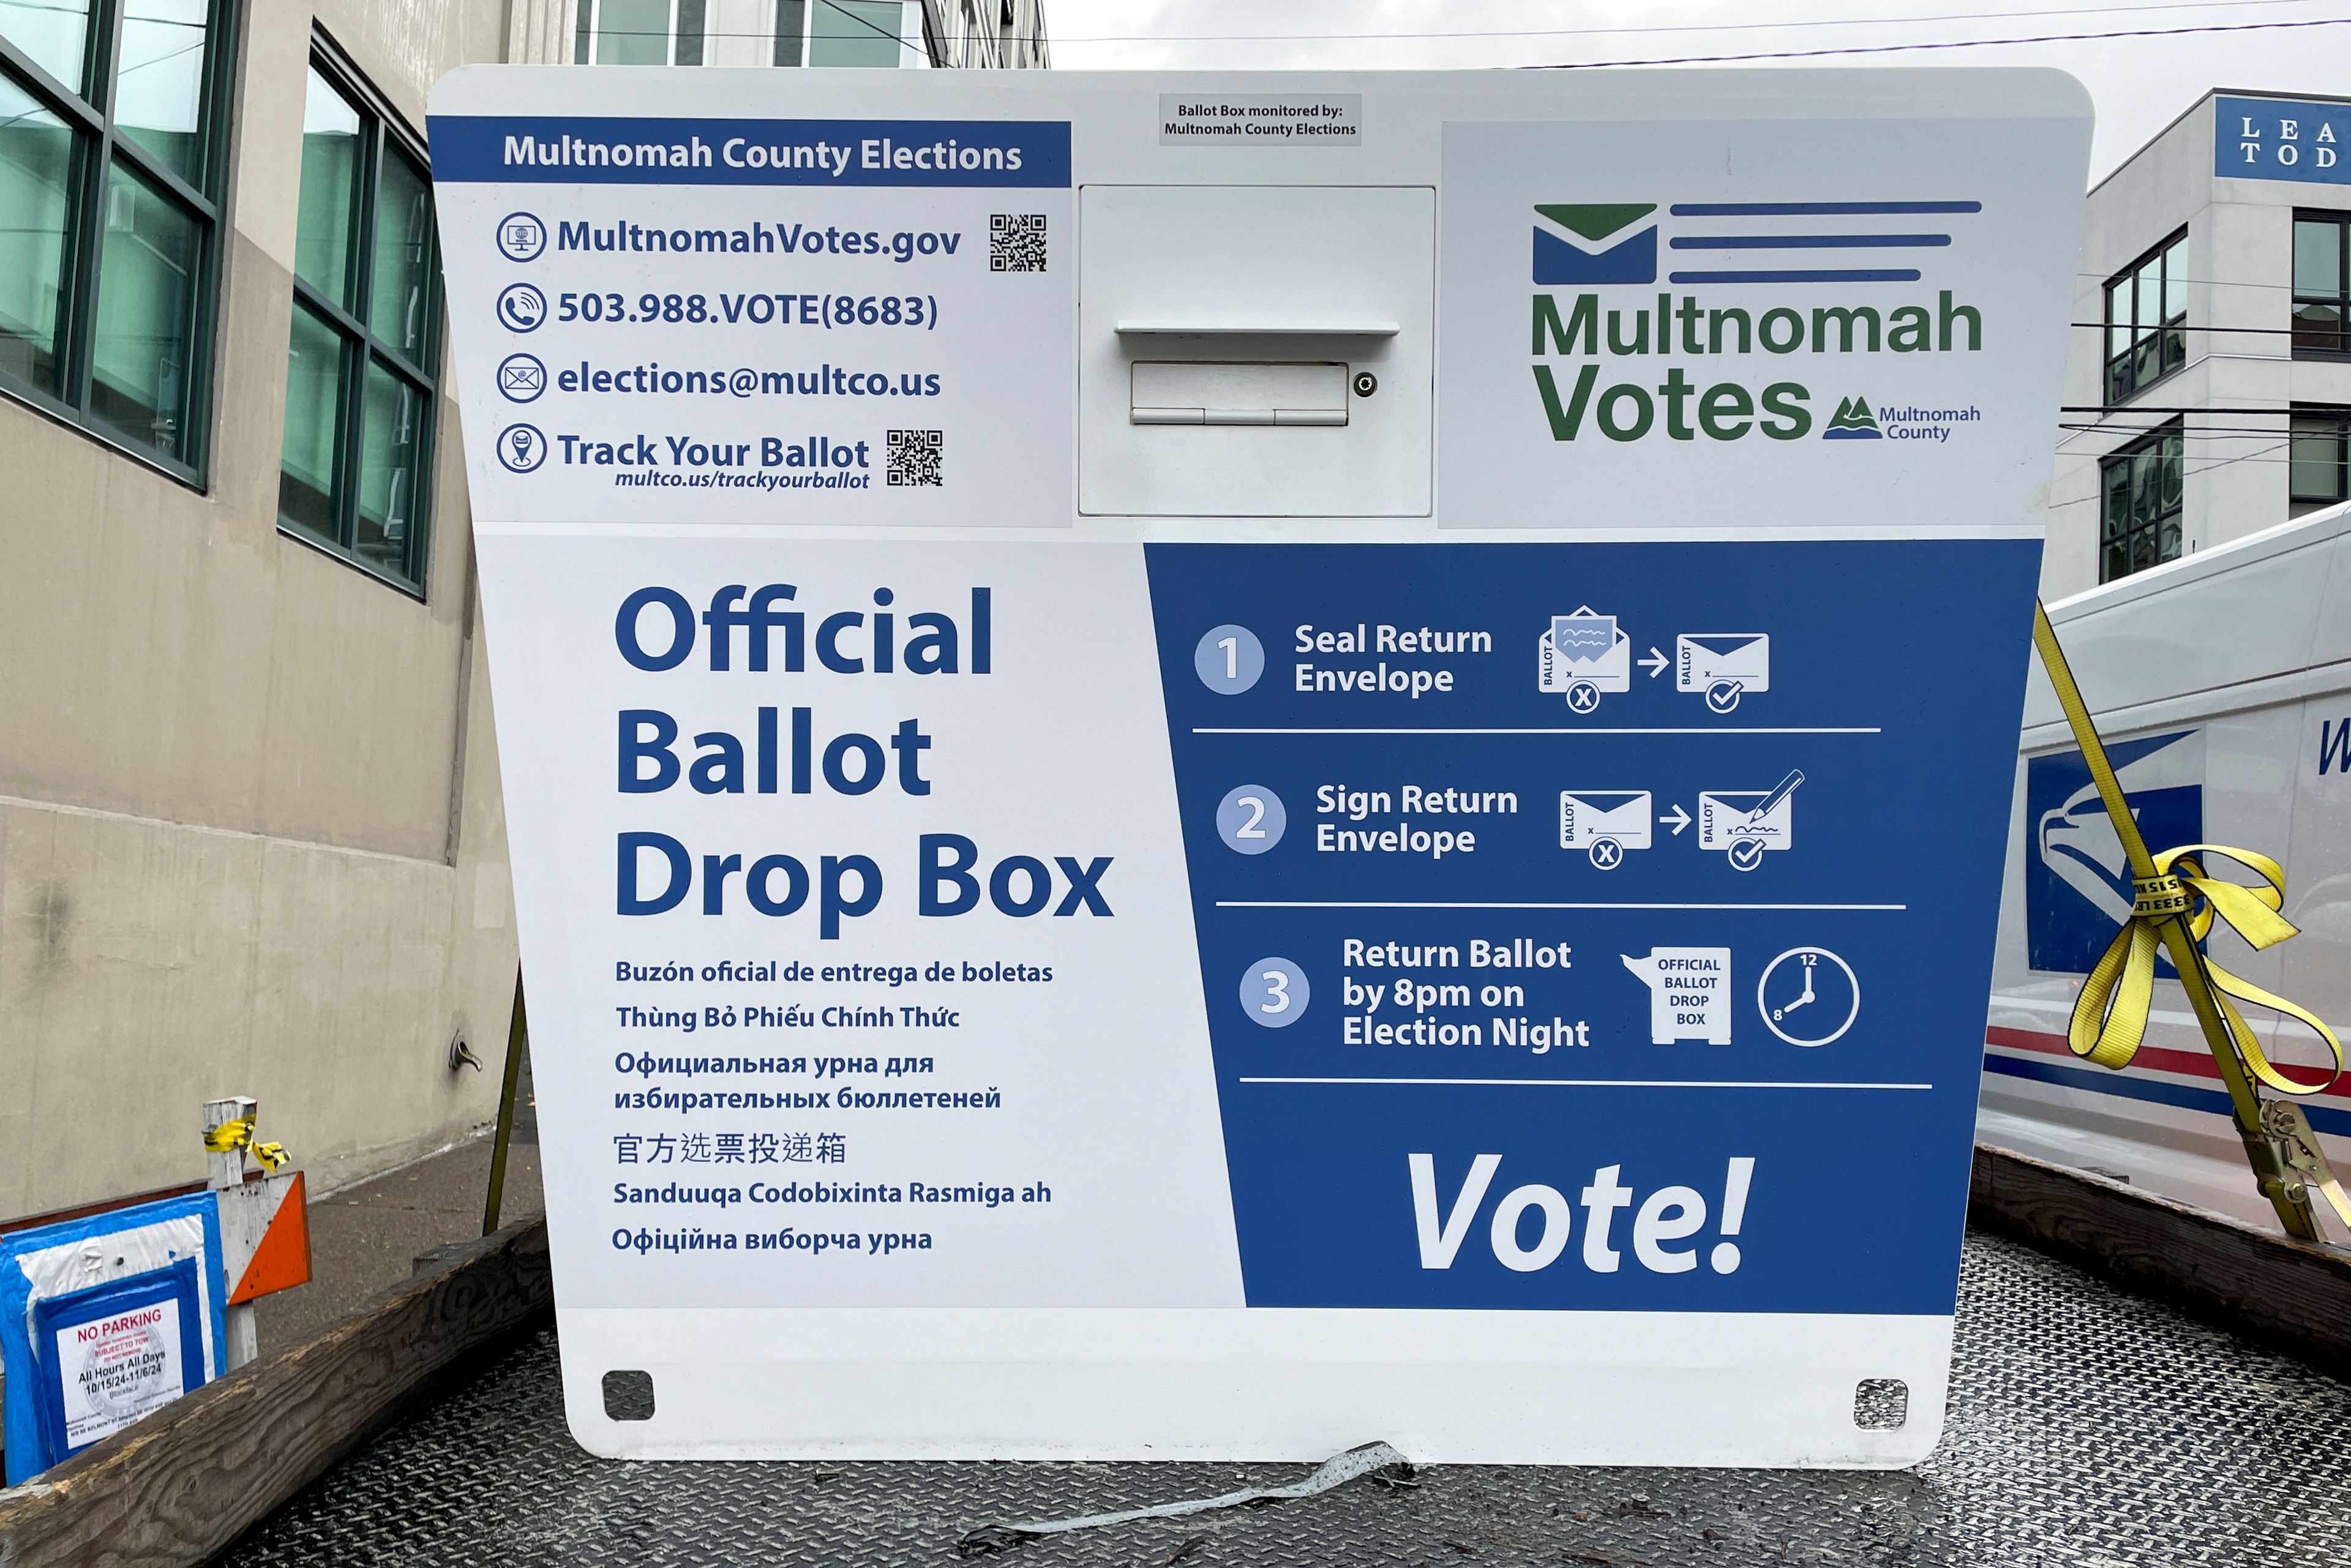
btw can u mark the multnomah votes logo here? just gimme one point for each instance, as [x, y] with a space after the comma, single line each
[1577, 243]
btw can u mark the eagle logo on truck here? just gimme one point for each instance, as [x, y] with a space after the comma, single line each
[2078, 886]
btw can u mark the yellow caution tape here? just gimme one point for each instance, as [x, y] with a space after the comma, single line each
[2110, 1015]
[238, 1134]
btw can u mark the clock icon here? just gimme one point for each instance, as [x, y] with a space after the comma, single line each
[1808, 996]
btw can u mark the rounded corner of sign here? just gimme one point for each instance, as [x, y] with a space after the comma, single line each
[595, 1432]
[1909, 1447]
[2061, 83]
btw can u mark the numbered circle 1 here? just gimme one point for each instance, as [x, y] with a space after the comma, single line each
[1274, 993]
[1250, 818]
[1229, 659]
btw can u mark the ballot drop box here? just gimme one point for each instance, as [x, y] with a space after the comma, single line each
[1221, 765]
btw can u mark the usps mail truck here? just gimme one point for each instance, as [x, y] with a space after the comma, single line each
[2221, 685]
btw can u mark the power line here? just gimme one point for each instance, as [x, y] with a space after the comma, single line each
[2184, 327]
[1679, 27]
[2108, 408]
[2187, 473]
[1953, 44]
[1823, 53]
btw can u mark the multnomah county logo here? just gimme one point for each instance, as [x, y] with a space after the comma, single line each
[1852, 421]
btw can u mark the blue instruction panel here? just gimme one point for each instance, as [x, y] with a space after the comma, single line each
[1502, 850]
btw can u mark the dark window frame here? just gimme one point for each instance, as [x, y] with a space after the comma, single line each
[2148, 353]
[2121, 531]
[2318, 421]
[2321, 342]
[381, 126]
[99, 144]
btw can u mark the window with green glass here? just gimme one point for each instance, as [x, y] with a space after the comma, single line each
[677, 33]
[362, 362]
[2322, 285]
[2147, 319]
[2318, 455]
[112, 124]
[2141, 503]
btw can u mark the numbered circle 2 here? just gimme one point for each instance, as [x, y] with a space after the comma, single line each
[1274, 993]
[1250, 818]
[1229, 659]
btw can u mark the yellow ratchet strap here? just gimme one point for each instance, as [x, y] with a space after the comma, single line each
[2110, 1015]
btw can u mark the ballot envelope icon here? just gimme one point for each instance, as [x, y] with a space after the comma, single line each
[1704, 660]
[1586, 648]
[1588, 816]
[1726, 816]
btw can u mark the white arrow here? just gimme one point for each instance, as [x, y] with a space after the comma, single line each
[1680, 819]
[1655, 665]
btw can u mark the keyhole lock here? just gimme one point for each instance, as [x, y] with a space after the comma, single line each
[1366, 383]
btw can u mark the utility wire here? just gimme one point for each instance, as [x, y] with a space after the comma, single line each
[1824, 53]
[2183, 327]
[1677, 27]
[1953, 43]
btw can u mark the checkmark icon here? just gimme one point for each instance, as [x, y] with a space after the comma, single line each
[1746, 854]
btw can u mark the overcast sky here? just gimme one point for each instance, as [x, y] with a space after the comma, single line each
[2140, 84]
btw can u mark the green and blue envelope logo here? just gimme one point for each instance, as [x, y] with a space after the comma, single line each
[1585, 243]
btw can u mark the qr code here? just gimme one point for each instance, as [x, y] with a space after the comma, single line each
[914, 457]
[1016, 242]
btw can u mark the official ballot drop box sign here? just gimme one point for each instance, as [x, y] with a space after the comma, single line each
[1222, 765]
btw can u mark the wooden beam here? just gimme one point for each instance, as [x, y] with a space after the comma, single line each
[2289, 1295]
[176, 1489]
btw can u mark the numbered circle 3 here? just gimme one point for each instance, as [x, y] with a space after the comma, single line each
[1228, 660]
[1274, 993]
[1250, 818]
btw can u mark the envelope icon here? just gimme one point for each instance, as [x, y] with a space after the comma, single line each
[521, 378]
[1586, 647]
[1608, 242]
[1706, 659]
[1587, 816]
[1724, 815]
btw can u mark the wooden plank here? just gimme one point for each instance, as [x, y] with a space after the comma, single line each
[2293, 1296]
[175, 1489]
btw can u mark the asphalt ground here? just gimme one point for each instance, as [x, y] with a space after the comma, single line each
[2088, 1429]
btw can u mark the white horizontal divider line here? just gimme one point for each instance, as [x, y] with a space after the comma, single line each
[1433, 904]
[1584, 1083]
[1558, 730]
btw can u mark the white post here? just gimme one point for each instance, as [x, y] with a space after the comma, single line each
[227, 1172]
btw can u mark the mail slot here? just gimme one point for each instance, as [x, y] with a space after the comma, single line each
[1227, 393]
[1219, 330]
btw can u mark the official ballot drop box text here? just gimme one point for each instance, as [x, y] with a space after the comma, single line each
[1221, 765]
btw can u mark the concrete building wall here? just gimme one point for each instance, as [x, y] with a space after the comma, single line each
[2240, 268]
[251, 837]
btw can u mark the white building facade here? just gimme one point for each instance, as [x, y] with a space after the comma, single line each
[2207, 383]
[955, 35]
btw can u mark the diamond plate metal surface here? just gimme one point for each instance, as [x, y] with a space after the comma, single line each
[2088, 1429]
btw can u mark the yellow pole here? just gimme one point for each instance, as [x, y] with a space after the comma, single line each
[2286, 1194]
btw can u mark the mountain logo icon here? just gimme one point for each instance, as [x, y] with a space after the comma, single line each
[1853, 421]
[1609, 242]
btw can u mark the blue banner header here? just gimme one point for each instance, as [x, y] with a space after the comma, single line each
[2280, 139]
[1014, 153]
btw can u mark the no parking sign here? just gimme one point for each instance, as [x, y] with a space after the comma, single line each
[1224, 765]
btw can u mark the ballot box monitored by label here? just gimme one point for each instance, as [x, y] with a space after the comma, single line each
[1216, 765]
